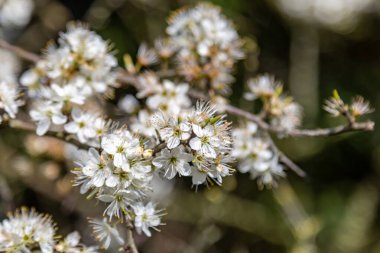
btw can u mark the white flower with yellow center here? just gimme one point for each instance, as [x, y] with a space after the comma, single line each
[173, 161]
[206, 142]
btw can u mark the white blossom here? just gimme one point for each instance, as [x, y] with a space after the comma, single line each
[290, 118]
[79, 66]
[263, 86]
[9, 99]
[81, 125]
[256, 156]
[173, 161]
[165, 48]
[118, 202]
[146, 56]
[172, 131]
[169, 97]
[45, 114]
[205, 141]
[104, 232]
[360, 107]
[123, 146]
[268, 172]
[142, 124]
[26, 229]
[98, 168]
[207, 42]
[146, 217]
[71, 244]
[68, 93]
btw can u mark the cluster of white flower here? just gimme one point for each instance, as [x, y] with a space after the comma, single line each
[71, 244]
[207, 43]
[15, 13]
[145, 217]
[87, 127]
[27, 231]
[255, 155]
[10, 96]
[78, 68]
[166, 96]
[337, 107]
[197, 144]
[119, 175]
[279, 109]
[164, 137]
[9, 100]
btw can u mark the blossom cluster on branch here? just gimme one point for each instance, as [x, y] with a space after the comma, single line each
[28, 231]
[166, 130]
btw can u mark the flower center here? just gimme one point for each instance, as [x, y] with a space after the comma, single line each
[120, 149]
[205, 139]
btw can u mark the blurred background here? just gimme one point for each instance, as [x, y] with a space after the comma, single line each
[314, 46]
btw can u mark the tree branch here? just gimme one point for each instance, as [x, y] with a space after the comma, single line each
[319, 132]
[132, 80]
[19, 51]
[131, 245]
[30, 127]
[291, 165]
[286, 160]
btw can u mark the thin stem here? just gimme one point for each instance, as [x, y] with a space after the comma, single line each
[319, 132]
[131, 245]
[30, 127]
[19, 51]
[286, 160]
[291, 165]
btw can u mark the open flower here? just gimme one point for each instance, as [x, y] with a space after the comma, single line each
[360, 107]
[46, 113]
[123, 146]
[174, 132]
[118, 202]
[81, 125]
[26, 229]
[263, 86]
[146, 217]
[9, 99]
[105, 232]
[205, 141]
[173, 161]
[98, 168]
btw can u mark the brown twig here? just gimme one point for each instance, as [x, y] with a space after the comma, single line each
[286, 160]
[19, 51]
[319, 132]
[30, 127]
[131, 245]
[291, 165]
[132, 80]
